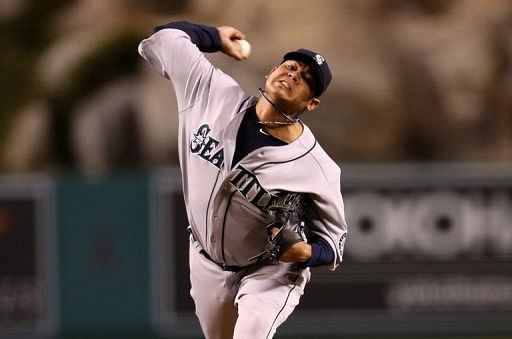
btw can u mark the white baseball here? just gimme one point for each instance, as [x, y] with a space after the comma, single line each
[244, 47]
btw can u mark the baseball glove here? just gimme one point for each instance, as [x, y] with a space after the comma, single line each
[286, 213]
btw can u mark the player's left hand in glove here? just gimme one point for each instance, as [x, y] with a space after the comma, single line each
[287, 228]
[287, 243]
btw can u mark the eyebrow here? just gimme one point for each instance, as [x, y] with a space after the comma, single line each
[307, 74]
[306, 71]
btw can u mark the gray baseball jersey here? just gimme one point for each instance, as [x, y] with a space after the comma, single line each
[225, 201]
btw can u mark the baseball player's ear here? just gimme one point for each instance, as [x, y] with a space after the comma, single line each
[313, 104]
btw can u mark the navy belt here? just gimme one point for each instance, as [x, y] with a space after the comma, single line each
[230, 268]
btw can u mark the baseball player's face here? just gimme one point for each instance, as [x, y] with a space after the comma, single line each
[291, 85]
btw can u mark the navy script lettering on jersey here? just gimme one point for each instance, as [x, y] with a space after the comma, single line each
[205, 146]
[248, 184]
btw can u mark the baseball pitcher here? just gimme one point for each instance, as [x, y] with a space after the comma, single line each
[262, 197]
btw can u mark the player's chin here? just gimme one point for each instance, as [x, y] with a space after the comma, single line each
[278, 87]
[284, 95]
[285, 91]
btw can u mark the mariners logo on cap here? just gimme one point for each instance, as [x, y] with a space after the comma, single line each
[319, 59]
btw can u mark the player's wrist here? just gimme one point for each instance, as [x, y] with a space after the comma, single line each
[300, 252]
[305, 252]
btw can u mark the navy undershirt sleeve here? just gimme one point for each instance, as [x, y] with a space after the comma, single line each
[321, 253]
[206, 38]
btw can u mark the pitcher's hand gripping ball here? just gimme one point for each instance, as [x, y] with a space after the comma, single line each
[244, 47]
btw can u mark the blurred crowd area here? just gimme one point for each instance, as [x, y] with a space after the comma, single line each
[413, 80]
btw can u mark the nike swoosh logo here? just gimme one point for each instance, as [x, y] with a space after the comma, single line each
[262, 131]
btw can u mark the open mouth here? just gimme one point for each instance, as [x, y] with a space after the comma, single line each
[285, 84]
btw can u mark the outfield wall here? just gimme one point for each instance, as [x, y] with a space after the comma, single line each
[429, 251]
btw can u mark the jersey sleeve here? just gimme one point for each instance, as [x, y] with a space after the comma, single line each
[171, 53]
[326, 217]
[206, 38]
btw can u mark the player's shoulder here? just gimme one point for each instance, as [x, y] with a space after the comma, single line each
[317, 151]
[324, 161]
[317, 160]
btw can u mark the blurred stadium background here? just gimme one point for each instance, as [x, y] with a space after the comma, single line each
[419, 116]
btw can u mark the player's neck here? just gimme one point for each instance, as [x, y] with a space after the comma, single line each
[276, 124]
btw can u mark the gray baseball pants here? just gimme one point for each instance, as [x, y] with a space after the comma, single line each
[247, 304]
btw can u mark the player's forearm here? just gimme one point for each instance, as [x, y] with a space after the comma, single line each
[321, 253]
[317, 253]
[300, 252]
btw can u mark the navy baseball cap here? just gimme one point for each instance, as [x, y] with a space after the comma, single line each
[318, 64]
